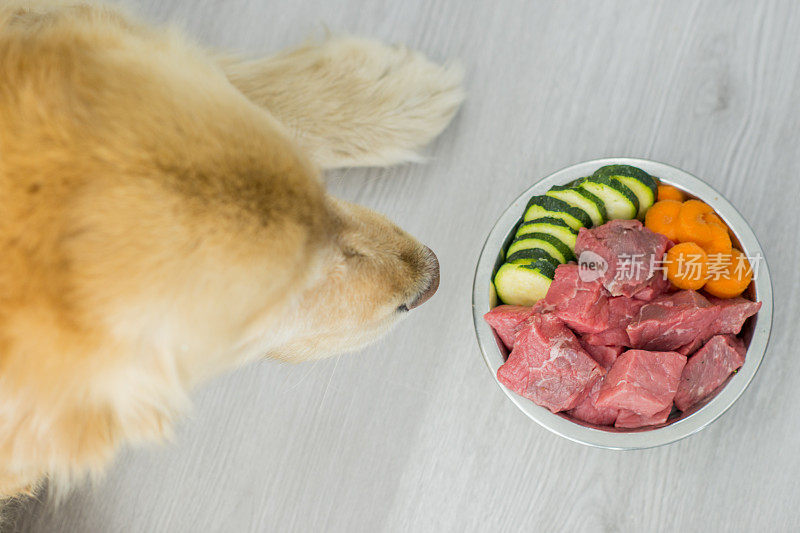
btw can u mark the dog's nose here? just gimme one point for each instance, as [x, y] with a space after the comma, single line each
[433, 280]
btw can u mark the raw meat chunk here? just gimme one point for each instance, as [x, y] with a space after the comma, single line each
[641, 381]
[604, 355]
[548, 365]
[621, 312]
[583, 305]
[672, 321]
[632, 253]
[733, 313]
[629, 419]
[507, 320]
[588, 411]
[708, 369]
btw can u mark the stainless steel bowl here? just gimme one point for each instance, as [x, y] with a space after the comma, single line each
[755, 332]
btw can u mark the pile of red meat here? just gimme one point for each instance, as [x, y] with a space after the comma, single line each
[613, 350]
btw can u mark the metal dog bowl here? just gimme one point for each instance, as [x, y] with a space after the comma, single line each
[755, 331]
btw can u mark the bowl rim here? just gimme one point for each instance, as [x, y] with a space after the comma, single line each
[483, 299]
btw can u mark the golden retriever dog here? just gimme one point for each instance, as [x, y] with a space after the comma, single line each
[163, 219]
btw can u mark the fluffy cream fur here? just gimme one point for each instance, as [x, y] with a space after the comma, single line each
[162, 219]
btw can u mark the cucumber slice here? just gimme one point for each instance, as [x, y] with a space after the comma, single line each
[619, 200]
[547, 206]
[537, 211]
[643, 185]
[523, 284]
[530, 255]
[583, 199]
[552, 226]
[615, 171]
[550, 244]
[645, 194]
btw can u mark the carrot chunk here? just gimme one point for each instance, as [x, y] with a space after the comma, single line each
[668, 192]
[687, 266]
[720, 241]
[697, 222]
[728, 274]
[662, 217]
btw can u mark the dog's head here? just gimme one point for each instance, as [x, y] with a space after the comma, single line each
[369, 276]
[250, 259]
[241, 250]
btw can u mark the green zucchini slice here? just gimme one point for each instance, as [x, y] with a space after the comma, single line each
[583, 199]
[547, 206]
[523, 284]
[550, 244]
[530, 255]
[643, 185]
[553, 226]
[620, 201]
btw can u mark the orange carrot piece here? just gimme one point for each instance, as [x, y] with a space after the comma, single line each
[662, 217]
[668, 192]
[729, 274]
[720, 241]
[687, 266]
[697, 222]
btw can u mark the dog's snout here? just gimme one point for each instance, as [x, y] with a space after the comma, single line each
[432, 268]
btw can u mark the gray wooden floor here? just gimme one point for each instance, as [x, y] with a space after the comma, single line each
[412, 434]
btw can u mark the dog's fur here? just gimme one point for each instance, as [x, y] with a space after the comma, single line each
[162, 219]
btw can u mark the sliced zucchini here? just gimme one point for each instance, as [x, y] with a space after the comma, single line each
[645, 194]
[550, 244]
[547, 206]
[532, 254]
[643, 185]
[553, 226]
[615, 171]
[619, 200]
[583, 199]
[523, 284]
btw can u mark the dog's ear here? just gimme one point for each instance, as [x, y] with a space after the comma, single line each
[353, 102]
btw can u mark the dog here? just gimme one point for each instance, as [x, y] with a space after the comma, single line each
[163, 219]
